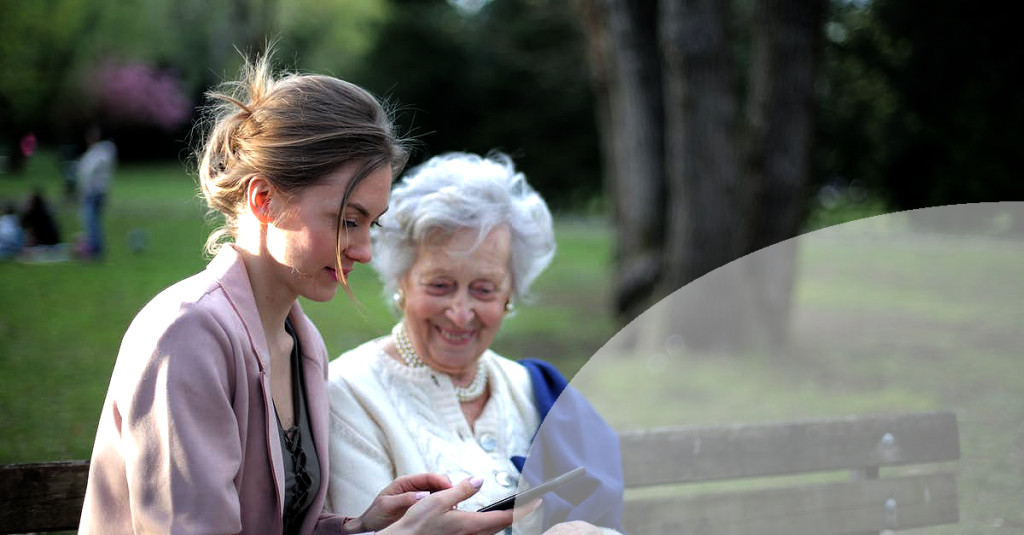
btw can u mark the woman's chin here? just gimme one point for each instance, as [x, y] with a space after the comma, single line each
[322, 293]
[456, 360]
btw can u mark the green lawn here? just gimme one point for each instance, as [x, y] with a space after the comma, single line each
[61, 323]
[896, 325]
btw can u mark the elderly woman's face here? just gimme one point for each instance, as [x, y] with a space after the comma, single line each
[455, 298]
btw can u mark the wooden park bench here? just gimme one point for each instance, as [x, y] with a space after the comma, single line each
[768, 455]
[42, 497]
[664, 469]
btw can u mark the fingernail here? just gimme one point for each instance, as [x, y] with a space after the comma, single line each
[422, 494]
[477, 482]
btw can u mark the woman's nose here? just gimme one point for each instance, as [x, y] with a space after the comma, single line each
[460, 312]
[358, 248]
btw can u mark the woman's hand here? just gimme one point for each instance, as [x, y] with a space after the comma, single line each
[576, 527]
[436, 514]
[395, 499]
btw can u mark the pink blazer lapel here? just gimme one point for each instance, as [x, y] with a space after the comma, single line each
[227, 267]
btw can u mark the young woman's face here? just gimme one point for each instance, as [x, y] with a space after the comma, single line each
[455, 298]
[303, 239]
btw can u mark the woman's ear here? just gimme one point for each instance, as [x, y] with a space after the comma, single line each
[257, 196]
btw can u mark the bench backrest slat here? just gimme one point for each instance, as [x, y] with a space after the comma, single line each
[692, 454]
[824, 509]
[42, 496]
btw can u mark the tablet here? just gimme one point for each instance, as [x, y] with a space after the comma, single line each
[534, 492]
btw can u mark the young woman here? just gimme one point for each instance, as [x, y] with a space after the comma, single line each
[216, 418]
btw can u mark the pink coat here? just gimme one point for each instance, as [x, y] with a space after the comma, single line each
[186, 441]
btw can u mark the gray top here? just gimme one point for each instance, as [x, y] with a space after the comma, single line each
[301, 464]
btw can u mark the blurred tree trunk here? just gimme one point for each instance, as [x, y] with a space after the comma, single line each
[626, 70]
[697, 179]
[780, 122]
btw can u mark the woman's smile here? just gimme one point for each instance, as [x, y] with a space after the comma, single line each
[455, 336]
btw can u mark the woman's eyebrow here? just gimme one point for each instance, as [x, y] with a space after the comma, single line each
[357, 207]
[364, 212]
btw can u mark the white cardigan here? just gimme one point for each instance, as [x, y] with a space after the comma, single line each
[388, 420]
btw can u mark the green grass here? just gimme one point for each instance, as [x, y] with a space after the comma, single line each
[61, 323]
[871, 335]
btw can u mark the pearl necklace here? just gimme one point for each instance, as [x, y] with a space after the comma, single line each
[466, 394]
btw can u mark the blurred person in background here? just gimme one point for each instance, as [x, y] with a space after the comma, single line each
[95, 172]
[216, 417]
[12, 237]
[463, 240]
[38, 222]
[24, 152]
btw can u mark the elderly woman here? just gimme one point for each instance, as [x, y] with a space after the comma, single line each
[463, 239]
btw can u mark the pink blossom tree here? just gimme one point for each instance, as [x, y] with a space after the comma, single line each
[134, 93]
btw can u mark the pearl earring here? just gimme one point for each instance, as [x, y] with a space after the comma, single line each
[399, 299]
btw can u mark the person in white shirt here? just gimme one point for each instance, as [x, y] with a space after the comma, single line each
[12, 237]
[95, 173]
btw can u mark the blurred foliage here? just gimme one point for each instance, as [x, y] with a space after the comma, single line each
[915, 100]
[329, 37]
[855, 99]
[507, 74]
[53, 51]
[918, 102]
[38, 43]
[510, 76]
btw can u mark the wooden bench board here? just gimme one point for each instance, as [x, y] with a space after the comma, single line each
[42, 496]
[714, 453]
[824, 509]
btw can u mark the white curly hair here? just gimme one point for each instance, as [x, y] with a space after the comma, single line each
[459, 190]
